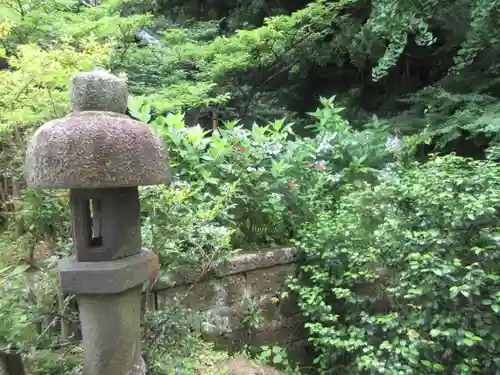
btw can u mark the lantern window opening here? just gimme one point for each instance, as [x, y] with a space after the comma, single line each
[95, 214]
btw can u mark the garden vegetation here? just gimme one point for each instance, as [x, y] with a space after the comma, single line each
[367, 134]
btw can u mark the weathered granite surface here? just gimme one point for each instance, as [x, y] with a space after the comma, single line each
[251, 261]
[95, 150]
[105, 277]
[98, 91]
[111, 333]
[96, 146]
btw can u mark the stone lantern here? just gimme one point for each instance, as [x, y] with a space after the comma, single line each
[102, 156]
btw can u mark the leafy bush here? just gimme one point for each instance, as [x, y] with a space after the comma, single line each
[16, 313]
[29, 315]
[66, 360]
[404, 277]
[171, 345]
[259, 164]
[276, 179]
[182, 225]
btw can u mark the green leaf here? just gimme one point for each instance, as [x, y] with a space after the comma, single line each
[435, 332]
[468, 342]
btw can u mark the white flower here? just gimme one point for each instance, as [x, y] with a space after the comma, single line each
[263, 185]
[275, 197]
[393, 144]
[324, 142]
[216, 231]
[240, 133]
[252, 169]
[272, 148]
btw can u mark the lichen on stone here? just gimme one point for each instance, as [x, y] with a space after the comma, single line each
[96, 146]
[98, 91]
[95, 150]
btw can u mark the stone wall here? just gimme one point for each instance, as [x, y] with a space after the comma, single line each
[242, 288]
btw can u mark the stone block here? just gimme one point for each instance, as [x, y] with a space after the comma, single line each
[251, 261]
[183, 276]
[269, 311]
[232, 318]
[207, 294]
[220, 321]
[109, 277]
[288, 306]
[268, 280]
[114, 229]
[289, 330]
[240, 366]
[111, 332]
[98, 91]
[231, 342]
[301, 352]
[292, 329]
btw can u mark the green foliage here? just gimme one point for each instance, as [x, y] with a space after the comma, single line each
[61, 361]
[45, 22]
[28, 308]
[44, 213]
[232, 73]
[269, 179]
[182, 225]
[165, 75]
[378, 288]
[278, 357]
[368, 52]
[172, 348]
[255, 165]
[252, 314]
[15, 319]
[403, 278]
[37, 89]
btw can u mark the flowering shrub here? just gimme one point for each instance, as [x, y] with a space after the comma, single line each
[261, 164]
[277, 179]
[404, 277]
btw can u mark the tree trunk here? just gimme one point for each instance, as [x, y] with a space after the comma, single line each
[11, 363]
[65, 328]
[16, 194]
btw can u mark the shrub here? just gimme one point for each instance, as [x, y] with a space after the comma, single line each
[182, 225]
[404, 277]
[16, 313]
[261, 165]
[277, 180]
[172, 347]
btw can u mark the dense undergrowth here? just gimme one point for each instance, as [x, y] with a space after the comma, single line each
[403, 278]
[399, 248]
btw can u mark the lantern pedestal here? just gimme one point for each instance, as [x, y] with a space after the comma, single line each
[109, 300]
[111, 333]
